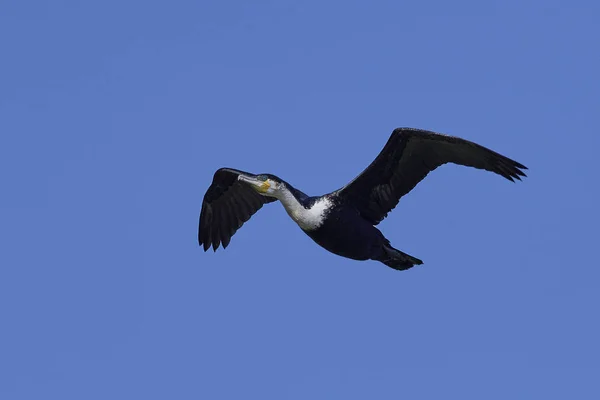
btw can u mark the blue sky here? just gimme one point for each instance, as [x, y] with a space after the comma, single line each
[114, 116]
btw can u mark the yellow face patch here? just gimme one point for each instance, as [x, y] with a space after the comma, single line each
[264, 187]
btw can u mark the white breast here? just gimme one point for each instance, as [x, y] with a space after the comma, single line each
[308, 219]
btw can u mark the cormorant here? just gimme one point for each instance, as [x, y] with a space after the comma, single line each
[343, 221]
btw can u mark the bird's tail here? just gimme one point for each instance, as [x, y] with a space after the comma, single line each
[396, 259]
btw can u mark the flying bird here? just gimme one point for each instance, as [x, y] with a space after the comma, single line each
[344, 221]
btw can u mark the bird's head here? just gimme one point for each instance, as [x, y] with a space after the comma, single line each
[265, 184]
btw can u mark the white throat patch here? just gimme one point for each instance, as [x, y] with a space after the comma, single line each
[308, 219]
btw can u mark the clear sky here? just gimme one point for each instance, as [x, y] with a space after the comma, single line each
[114, 116]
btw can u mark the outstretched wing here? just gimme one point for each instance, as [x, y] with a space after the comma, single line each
[227, 204]
[407, 158]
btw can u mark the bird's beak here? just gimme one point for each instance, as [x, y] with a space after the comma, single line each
[258, 185]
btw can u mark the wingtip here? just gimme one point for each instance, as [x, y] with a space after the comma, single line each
[519, 165]
[513, 171]
[518, 173]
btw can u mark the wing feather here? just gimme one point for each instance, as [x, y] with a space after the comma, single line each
[407, 158]
[227, 204]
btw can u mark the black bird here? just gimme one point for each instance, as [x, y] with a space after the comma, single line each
[343, 221]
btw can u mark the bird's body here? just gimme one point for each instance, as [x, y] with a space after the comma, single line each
[347, 234]
[343, 221]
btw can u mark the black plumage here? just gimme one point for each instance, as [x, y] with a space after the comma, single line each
[407, 158]
[343, 221]
[228, 203]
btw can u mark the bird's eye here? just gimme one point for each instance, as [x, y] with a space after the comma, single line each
[262, 177]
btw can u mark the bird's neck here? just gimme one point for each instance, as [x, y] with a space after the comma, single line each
[309, 215]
